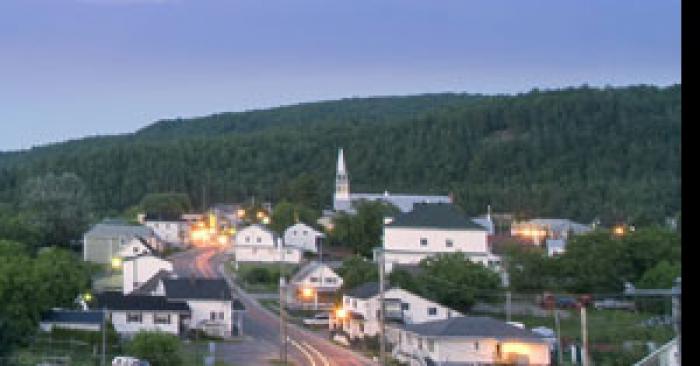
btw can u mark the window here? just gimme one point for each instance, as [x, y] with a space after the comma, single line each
[331, 280]
[305, 232]
[212, 315]
[354, 303]
[420, 343]
[405, 306]
[136, 249]
[476, 346]
[221, 315]
[347, 301]
[159, 318]
[133, 317]
[423, 242]
[295, 233]
[431, 345]
[289, 251]
[361, 327]
[258, 240]
[432, 311]
[498, 350]
[449, 243]
[247, 239]
[313, 279]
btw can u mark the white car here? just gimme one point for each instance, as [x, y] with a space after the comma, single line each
[129, 361]
[318, 319]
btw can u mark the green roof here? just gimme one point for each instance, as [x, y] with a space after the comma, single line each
[435, 215]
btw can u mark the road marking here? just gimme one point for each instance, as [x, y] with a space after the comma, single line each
[316, 351]
[303, 350]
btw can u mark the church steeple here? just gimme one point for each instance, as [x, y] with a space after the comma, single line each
[342, 183]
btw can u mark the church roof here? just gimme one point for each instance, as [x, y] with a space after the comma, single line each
[436, 215]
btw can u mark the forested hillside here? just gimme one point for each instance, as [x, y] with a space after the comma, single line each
[582, 153]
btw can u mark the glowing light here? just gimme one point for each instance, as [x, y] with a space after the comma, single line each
[619, 230]
[266, 220]
[341, 313]
[260, 215]
[222, 239]
[116, 263]
[517, 348]
[241, 213]
[87, 297]
[307, 292]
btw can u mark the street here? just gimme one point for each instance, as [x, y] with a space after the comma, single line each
[262, 327]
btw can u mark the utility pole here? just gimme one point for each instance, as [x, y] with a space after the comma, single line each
[560, 352]
[283, 311]
[508, 311]
[104, 337]
[584, 337]
[382, 344]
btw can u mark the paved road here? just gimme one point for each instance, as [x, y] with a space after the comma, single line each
[263, 326]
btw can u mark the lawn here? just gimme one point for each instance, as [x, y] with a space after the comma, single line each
[260, 277]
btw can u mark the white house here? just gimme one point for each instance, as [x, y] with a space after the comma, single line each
[361, 308]
[343, 200]
[303, 237]
[136, 271]
[71, 319]
[133, 313]
[170, 228]
[209, 300]
[135, 247]
[467, 341]
[313, 287]
[432, 229]
[257, 243]
[105, 241]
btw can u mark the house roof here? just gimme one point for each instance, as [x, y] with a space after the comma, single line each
[435, 215]
[304, 271]
[110, 228]
[404, 202]
[261, 227]
[152, 284]
[366, 290]
[304, 226]
[115, 300]
[197, 289]
[163, 216]
[472, 326]
[72, 316]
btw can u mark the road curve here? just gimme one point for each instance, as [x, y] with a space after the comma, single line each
[304, 347]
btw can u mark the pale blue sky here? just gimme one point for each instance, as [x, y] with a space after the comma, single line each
[73, 68]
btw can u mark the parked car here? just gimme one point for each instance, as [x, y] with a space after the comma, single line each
[566, 302]
[614, 304]
[129, 361]
[318, 319]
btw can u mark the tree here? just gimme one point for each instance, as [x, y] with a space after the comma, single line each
[662, 275]
[58, 206]
[451, 280]
[173, 204]
[356, 271]
[286, 214]
[158, 348]
[362, 231]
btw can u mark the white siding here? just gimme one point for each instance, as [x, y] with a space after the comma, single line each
[201, 314]
[140, 270]
[170, 231]
[266, 254]
[302, 236]
[125, 328]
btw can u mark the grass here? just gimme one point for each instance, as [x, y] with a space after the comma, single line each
[273, 270]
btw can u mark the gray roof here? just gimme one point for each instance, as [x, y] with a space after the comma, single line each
[197, 289]
[115, 300]
[366, 290]
[72, 317]
[152, 284]
[435, 215]
[404, 202]
[109, 228]
[307, 269]
[472, 326]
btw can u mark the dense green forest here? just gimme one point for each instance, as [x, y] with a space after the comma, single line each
[582, 153]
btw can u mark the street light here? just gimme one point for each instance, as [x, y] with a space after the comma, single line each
[116, 263]
[619, 230]
[341, 313]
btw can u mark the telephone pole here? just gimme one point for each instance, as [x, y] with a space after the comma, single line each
[283, 311]
[560, 352]
[584, 337]
[382, 344]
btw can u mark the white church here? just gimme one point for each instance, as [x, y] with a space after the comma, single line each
[343, 200]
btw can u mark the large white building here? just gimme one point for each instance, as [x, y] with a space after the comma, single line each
[107, 240]
[314, 287]
[209, 300]
[257, 243]
[343, 200]
[304, 237]
[136, 271]
[467, 341]
[361, 306]
[133, 313]
[430, 229]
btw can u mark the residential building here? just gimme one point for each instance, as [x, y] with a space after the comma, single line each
[170, 228]
[313, 286]
[135, 247]
[257, 243]
[133, 313]
[72, 319]
[361, 306]
[105, 241]
[303, 237]
[467, 341]
[136, 271]
[432, 229]
[343, 200]
[209, 300]
[538, 230]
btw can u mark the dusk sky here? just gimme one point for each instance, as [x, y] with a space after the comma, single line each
[75, 68]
